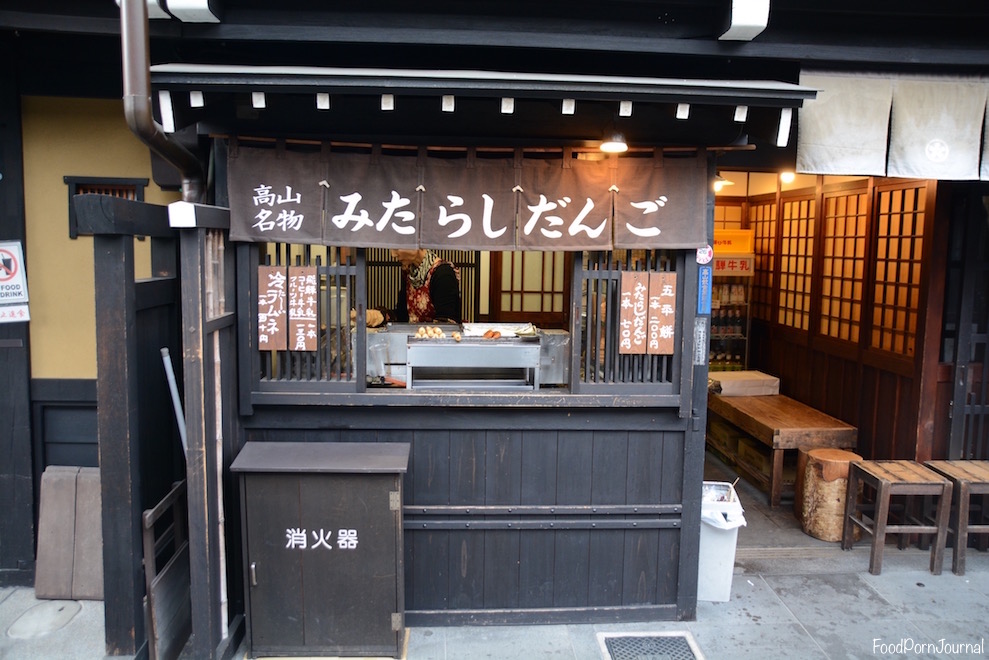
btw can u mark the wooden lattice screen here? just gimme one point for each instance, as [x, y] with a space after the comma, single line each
[531, 286]
[899, 249]
[762, 219]
[845, 238]
[600, 325]
[796, 260]
[333, 362]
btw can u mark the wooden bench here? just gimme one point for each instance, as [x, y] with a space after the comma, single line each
[782, 424]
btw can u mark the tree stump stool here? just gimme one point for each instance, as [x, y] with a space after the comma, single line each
[825, 486]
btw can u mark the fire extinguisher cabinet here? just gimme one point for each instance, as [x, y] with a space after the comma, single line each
[323, 547]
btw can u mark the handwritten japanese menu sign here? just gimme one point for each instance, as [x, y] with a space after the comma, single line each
[648, 313]
[302, 323]
[271, 309]
[489, 203]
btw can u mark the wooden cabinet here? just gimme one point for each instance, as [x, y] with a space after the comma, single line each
[323, 545]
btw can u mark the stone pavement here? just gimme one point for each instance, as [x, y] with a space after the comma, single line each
[792, 596]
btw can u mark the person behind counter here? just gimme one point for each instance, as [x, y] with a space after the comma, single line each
[430, 291]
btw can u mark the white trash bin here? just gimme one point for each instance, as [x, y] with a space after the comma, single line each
[721, 516]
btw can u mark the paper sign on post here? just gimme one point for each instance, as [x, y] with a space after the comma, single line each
[13, 284]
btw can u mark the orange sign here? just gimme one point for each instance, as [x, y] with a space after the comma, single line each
[733, 241]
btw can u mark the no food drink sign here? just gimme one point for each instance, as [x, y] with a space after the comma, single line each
[13, 283]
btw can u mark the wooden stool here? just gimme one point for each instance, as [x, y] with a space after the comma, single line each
[970, 479]
[823, 493]
[889, 478]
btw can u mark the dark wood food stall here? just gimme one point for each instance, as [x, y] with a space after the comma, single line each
[555, 469]
[554, 473]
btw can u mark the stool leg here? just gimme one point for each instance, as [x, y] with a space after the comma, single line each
[960, 519]
[909, 506]
[927, 511]
[983, 518]
[879, 527]
[943, 511]
[851, 502]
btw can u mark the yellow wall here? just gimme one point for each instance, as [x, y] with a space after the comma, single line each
[71, 137]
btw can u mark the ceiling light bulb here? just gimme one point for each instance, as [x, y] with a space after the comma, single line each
[614, 144]
[787, 177]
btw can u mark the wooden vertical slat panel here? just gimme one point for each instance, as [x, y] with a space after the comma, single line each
[468, 464]
[539, 487]
[575, 461]
[672, 467]
[609, 480]
[501, 548]
[642, 484]
[428, 583]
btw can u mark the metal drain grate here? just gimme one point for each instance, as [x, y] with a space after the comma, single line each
[650, 646]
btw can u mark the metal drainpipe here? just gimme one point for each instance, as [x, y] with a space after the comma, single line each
[137, 99]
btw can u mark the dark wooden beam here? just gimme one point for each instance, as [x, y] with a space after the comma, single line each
[118, 424]
[16, 485]
[115, 216]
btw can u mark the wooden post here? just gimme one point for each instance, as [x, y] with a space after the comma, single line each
[16, 477]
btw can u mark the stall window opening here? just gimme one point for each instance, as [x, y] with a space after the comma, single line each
[589, 357]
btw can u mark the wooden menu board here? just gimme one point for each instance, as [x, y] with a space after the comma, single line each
[302, 321]
[271, 309]
[648, 314]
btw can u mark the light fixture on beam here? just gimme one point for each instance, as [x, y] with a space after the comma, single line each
[507, 105]
[192, 11]
[387, 102]
[449, 103]
[783, 136]
[322, 101]
[748, 19]
[614, 143]
[741, 113]
[720, 182]
[568, 107]
[154, 9]
[625, 109]
[196, 99]
[683, 110]
[167, 115]
[257, 100]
